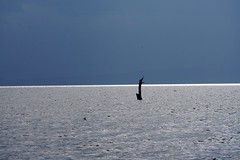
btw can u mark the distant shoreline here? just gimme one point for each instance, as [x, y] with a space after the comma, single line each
[124, 85]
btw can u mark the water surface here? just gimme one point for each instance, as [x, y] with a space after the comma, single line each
[102, 122]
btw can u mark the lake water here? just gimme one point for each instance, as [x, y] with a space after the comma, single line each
[171, 122]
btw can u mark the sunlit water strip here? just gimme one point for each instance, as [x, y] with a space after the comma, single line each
[124, 85]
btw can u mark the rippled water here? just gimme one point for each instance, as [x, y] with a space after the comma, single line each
[178, 122]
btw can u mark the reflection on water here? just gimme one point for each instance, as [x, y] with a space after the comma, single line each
[172, 122]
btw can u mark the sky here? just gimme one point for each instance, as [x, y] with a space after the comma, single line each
[54, 42]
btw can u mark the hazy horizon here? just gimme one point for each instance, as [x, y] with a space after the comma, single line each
[126, 85]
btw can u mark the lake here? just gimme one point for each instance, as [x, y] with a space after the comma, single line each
[108, 122]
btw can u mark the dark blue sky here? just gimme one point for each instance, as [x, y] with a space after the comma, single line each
[116, 42]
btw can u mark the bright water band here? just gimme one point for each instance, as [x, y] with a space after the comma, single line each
[127, 85]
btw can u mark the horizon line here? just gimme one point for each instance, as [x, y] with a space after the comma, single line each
[124, 85]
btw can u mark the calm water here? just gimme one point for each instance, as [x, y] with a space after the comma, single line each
[178, 122]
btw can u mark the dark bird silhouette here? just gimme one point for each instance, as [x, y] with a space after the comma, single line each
[139, 94]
